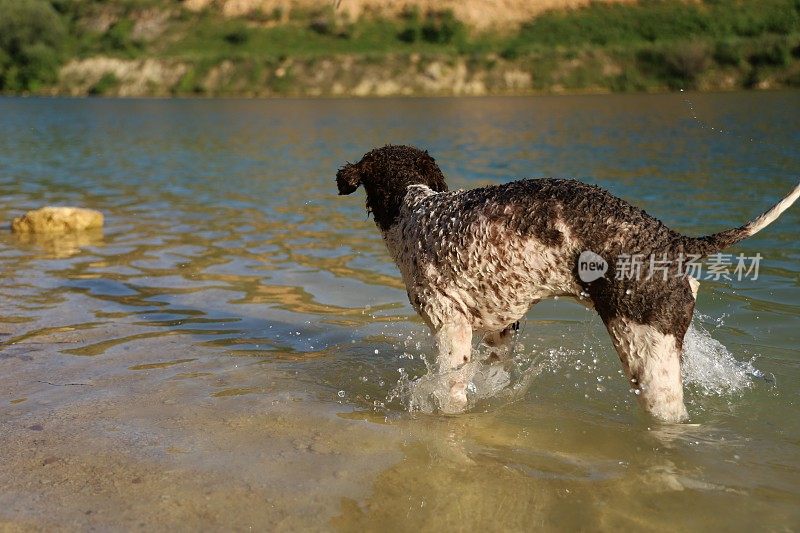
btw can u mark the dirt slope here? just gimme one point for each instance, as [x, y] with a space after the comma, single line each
[476, 13]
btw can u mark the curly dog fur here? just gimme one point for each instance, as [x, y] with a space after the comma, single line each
[475, 261]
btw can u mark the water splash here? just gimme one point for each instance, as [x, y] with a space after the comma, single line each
[431, 392]
[504, 381]
[710, 368]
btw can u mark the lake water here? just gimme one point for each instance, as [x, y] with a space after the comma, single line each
[235, 348]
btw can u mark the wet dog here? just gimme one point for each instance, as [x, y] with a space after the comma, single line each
[475, 261]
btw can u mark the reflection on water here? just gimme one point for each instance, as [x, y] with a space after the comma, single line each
[60, 246]
[236, 309]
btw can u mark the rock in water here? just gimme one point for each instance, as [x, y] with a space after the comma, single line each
[57, 220]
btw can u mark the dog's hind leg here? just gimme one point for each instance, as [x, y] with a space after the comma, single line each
[454, 344]
[501, 342]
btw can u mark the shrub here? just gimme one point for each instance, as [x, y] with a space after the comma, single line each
[510, 52]
[437, 27]
[31, 39]
[628, 81]
[728, 54]
[412, 31]
[679, 66]
[328, 23]
[687, 61]
[772, 54]
[442, 27]
[237, 36]
[118, 38]
[408, 35]
[107, 83]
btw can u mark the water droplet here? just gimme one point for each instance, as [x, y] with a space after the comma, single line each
[340, 394]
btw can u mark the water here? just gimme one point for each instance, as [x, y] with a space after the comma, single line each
[235, 348]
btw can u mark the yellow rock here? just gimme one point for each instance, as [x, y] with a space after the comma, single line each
[57, 220]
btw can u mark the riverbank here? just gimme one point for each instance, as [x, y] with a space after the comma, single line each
[155, 48]
[408, 75]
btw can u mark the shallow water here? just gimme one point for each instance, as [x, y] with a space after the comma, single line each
[235, 348]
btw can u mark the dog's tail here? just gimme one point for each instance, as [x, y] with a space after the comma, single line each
[711, 244]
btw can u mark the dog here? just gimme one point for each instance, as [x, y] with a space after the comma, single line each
[473, 262]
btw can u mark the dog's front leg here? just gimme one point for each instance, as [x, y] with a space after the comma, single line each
[652, 362]
[454, 344]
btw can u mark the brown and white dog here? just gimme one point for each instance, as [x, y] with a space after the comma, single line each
[475, 261]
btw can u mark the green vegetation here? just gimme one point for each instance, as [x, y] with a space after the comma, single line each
[650, 45]
[652, 21]
[32, 36]
[315, 35]
[434, 27]
[672, 43]
[107, 83]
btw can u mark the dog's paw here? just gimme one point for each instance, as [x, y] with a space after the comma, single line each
[456, 399]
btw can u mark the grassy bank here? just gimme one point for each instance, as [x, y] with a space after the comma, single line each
[159, 47]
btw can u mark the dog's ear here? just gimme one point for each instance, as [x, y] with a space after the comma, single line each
[348, 178]
[432, 173]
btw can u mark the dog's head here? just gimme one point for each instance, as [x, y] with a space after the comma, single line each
[386, 173]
